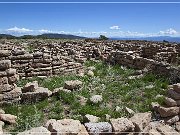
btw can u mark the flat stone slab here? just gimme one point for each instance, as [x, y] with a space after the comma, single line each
[141, 120]
[36, 131]
[65, 126]
[170, 111]
[122, 125]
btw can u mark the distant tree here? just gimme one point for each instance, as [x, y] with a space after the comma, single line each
[27, 37]
[102, 37]
[165, 41]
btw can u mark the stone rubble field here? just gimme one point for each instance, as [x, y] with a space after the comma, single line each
[96, 87]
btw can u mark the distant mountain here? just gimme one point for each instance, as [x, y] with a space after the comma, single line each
[160, 38]
[64, 36]
[44, 36]
[7, 36]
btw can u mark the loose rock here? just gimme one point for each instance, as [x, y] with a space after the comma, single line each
[90, 73]
[72, 85]
[30, 87]
[141, 120]
[8, 118]
[166, 112]
[36, 131]
[122, 125]
[66, 126]
[98, 128]
[96, 99]
[91, 118]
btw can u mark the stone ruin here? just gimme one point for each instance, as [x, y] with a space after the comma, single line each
[8, 78]
[45, 58]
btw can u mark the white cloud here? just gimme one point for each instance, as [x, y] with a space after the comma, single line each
[19, 30]
[44, 31]
[114, 27]
[62, 32]
[168, 32]
[116, 33]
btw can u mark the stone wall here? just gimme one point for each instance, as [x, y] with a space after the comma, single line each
[41, 62]
[8, 78]
[56, 57]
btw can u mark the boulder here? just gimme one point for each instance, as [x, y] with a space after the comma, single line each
[167, 130]
[98, 128]
[5, 64]
[92, 68]
[11, 71]
[155, 106]
[96, 99]
[5, 88]
[91, 118]
[56, 91]
[3, 74]
[4, 53]
[3, 80]
[176, 87]
[36, 131]
[82, 100]
[13, 79]
[33, 97]
[170, 102]
[177, 126]
[30, 87]
[2, 111]
[1, 127]
[170, 111]
[129, 111]
[18, 52]
[8, 118]
[118, 109]
[153, 132]
[122, 125]
[90, 73]
[38, 54]
[171, 120]
[66, 126]
[152, 126]
[173, 94]
[15, 93]
[42, 89]
[108, 117]
[149, 86]
[141, 120]
[71, 85]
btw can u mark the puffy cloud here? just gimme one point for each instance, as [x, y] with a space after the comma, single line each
[62, 32]
[19, 30]
[168, 32]
[44, 31]
[114, 27]
[116, 33]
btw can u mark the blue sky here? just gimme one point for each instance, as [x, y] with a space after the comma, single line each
[91, 20]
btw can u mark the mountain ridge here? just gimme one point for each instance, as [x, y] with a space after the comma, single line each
[155, 38]
[69, 36]
[44, 36]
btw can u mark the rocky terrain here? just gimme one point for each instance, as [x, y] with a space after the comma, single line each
[89, 87]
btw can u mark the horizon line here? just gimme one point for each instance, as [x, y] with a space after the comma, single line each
[90, 36]
[138, 2]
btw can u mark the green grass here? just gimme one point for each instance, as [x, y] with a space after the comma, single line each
[110, 81]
